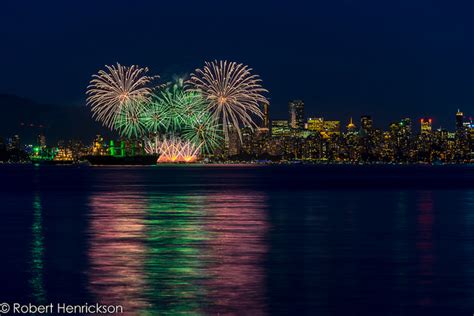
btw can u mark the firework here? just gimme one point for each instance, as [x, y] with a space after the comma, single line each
[174, 150]
[203, 131]
[154, 118]
[129, 121]
[152, 146]
[233, 94]
[115, 89]
[172, 109]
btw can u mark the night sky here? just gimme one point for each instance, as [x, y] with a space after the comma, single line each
[390, 59]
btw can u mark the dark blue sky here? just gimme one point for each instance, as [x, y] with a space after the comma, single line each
[390, 59]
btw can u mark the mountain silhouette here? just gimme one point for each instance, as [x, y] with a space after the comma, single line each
[28, 119]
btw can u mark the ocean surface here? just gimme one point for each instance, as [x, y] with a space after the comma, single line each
[240, 240]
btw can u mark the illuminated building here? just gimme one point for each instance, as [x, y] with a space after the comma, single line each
[41, 140]
[315, 124]
[265, 128]
[351, 127]
[366, 123]
[122, 148]
[462, 140]
[233, 143]
[15, 142]
[98, 146]
[63, 154]
[112, 148]
[325, 128]
[425, 124]
[266, 117]
[332, 127]
[296, 111]
[280, 128]
[405, 126]
[459, 121]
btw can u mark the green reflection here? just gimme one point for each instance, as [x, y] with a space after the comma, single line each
[174, 264]
[37, 253]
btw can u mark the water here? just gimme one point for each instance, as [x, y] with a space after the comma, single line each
[323, 240]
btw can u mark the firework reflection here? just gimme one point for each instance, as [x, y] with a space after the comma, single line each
[238, 225]
[117, 250]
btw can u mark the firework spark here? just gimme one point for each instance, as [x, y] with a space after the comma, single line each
[155, 117]
[233, 93]
[173, 108]
[204, 131]
[152, 145]
[129, 121]
[115, 89]
[172, 150]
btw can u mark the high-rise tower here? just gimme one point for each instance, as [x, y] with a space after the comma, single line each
[425, 124]
[296, 110]
[459, 121]
[266, 118]
[366, 123]
[351, 127]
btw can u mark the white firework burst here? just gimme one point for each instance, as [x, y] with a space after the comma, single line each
[116, 88]
[152, 145]
[234, 94]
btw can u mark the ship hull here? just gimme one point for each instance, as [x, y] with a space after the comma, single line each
[111, 160]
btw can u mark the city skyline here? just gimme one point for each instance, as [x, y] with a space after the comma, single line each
[312, 139]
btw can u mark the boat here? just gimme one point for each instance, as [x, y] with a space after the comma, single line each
[140, 160]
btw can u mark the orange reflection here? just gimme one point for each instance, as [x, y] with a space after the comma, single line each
[237, 225]
[117, 251]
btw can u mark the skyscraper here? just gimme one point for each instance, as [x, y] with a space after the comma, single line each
[425, 124]
[351, 126]
[327, 128]
[15, 142]
[266, 119]
[41, 140]
[405, 126]
[296, 110]
[315, 124]
[233, 142]
[459, 120]
[366, 122]
[280, 128]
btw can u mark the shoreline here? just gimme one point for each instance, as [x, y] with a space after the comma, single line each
[234, 163]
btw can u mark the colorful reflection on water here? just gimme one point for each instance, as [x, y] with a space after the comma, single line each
[174, 264]
[37, 253]
[236, 252]
[208, 242]
[117, 250]
[178, 254]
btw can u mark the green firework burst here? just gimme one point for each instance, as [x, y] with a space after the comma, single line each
[204, 131]
[154, 117]
[129, 121]
[173, 109]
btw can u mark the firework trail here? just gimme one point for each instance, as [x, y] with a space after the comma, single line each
[203, 130]
[233, 94]
[172, 149]
[129, 122]
[115, 90]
